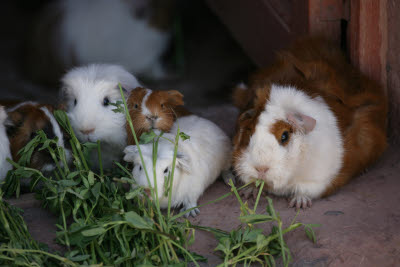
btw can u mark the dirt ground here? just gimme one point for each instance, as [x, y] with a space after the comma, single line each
[359, 224]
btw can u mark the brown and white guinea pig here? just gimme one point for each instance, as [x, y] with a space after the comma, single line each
[22, 123]
[314, 123]
[89, 92]
[153, 110]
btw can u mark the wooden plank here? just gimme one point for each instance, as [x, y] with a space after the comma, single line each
[256, 25]
[368, 37]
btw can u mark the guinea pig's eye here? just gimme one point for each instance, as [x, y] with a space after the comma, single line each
[140, 168]
[284, 137]
[166, 170]
[106, 101]
[136, 106]
[75, 102]
[162, 105]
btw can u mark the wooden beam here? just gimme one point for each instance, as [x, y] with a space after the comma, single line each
[367, 38]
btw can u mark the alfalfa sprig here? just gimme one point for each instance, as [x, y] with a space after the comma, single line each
[17, 246]
[248, 245]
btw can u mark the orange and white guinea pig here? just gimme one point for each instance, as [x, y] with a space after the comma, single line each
[153, 110]
[21, 124]
[312, 123]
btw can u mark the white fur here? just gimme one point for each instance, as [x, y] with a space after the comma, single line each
[201, 159]
[89, 85]
[107, 31]
[14, 108]
[60, 142]
[4, 146]
[145, 110]
[306, 166]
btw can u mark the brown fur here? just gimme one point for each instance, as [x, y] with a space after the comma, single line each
[278, 128]
[318, 68]
[166, 105]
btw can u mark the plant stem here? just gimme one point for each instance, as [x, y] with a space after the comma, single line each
[100, 159]
[259, 195]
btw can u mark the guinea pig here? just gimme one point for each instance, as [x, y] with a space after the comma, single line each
[200, 160]
[153, 110]
[88, 92]
[313, 124]
[5, 153]
[22, 123]
[134, 33]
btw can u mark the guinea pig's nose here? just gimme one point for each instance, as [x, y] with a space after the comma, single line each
[87, 131]
[152, 118]
[262, 170]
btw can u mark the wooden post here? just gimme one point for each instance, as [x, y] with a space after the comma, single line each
[367, 38]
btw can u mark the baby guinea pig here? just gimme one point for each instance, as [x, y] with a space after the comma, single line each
[22, 123]
[88, 91]
[153, 110]
[4, 146]
[314, 124]
[200, 160]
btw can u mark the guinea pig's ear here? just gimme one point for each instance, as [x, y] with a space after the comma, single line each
[300, 121]
[174, 98]
[13, 122]
[300, 67]
[183, 162]
[248, 114]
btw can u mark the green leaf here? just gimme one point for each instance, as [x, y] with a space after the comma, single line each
[251, 235]
[69, 190]
[67, 183]
[138, 222]
[96, 190]
[184, 136]
[146, 138]
[79, 258]
[256, 218]
[72, 175]
[262, 242]
[91, 178]
[224, 246]
[94, 231]
[310, 231]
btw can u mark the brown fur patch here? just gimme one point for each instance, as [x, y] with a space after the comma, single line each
[165, 105]
[319, 69]
[278, 128]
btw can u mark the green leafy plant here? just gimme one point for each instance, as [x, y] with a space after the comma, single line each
[248, 245]
[17, 247]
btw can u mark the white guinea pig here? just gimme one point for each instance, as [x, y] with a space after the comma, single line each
[4, 146]
[314, 123]
[200, 160]
[89, 90]
[132, 33]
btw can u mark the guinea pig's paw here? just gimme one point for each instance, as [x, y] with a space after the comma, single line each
[228, 175]
[130, 152]
[193, 212]
[300, 202]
